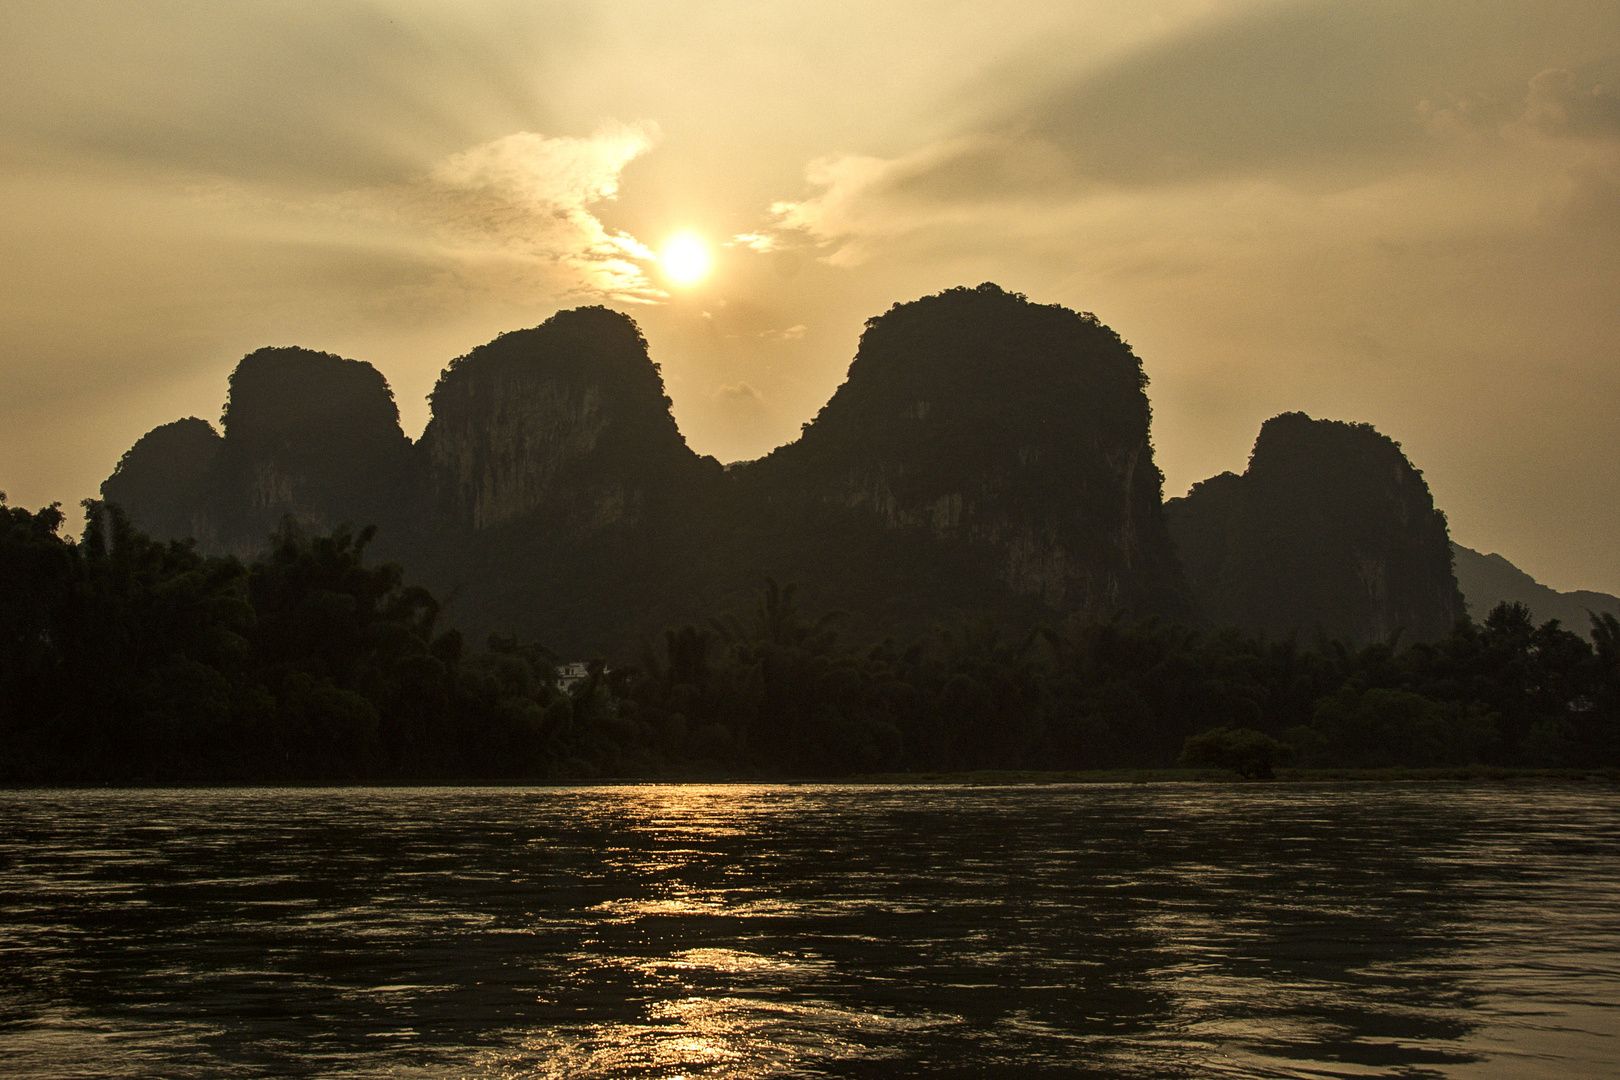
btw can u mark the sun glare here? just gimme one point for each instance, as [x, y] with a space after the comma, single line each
[685, 258]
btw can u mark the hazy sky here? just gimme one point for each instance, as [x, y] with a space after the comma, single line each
[1406, 213]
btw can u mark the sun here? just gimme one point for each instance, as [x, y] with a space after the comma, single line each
[685, 258]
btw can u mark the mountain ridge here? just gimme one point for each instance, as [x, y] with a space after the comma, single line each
[1489, 579]
[984, 453]
[552, 493]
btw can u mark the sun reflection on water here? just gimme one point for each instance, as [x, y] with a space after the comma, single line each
[717, 1037]
[738, 931]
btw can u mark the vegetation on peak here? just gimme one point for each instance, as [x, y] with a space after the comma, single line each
[178, 440]
[278, 393]
[991, 359]
[592, 342]
[160, 477]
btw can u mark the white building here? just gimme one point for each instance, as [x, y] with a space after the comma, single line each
[570, 675]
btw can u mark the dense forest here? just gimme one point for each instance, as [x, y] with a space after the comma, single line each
[124, 659]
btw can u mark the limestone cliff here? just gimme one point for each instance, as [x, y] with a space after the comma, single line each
[985, 454]
[564, 501]
[567, 421]
[1014, 434]
[312, 435]
[1330, 530]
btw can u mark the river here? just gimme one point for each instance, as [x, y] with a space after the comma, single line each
[1171, 930]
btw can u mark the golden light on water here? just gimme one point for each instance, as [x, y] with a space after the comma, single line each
[685, 258]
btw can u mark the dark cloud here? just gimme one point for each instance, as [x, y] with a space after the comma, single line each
[1293, 84]
[1323, 95]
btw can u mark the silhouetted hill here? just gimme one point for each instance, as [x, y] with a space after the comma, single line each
[312, 435]
[307, 434]
[985, 454]
[1488, 580]
[563, 501]
[568, 420]
[1001, 442]
[160, 480]
[1330, 530]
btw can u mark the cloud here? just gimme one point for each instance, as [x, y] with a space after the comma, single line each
[533, 198]
[1571, 117]
[512, 218]
[1309, 101]
[738, 394]
[530, 199]
[862, 199]
[1289, 84]
[1560, 104]
[1564, 127]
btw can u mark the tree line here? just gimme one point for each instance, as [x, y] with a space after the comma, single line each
[123, 659]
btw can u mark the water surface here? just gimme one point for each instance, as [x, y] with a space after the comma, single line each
[1275, 930]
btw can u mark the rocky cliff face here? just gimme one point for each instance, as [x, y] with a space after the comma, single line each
[567, 421]
[1330, 530]
[312, 435]
[1013, 431]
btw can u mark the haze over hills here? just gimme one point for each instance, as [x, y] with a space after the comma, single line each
[1488, 580]
[1261, 227]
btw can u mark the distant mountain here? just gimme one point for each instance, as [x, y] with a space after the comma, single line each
[1487, 580]
[312, 435]
[1330, 530]
[559, 498]
[985, 454]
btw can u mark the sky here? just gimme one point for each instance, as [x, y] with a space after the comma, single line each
[1387, 211]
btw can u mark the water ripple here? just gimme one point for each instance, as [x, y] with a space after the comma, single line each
[801, 930]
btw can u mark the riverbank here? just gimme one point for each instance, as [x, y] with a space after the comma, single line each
[981, 778]
[1447, 774]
